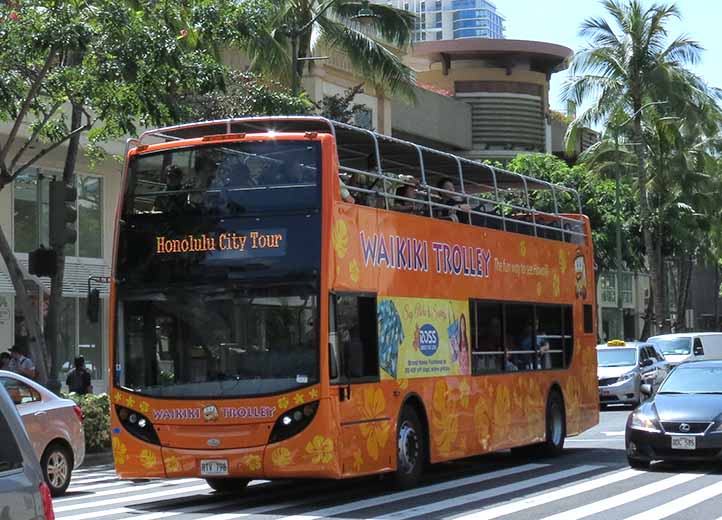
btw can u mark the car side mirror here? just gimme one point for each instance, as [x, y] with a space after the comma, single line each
[646, 389]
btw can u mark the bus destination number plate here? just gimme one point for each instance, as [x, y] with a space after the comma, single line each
[684, 442]
[214, 467]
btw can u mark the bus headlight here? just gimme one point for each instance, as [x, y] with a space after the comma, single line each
[293, 422]
[137, 425]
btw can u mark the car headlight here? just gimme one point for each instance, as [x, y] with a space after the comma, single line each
[626, 377]
[643, 422]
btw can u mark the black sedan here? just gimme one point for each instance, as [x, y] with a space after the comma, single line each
[683, 420]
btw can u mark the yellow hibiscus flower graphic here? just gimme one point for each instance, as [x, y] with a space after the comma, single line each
[320, 449]
[340, 238]
[403, 383]
[562, 261]
[482, 423]
[144, 407]
[538, 288]
[118, 397]
[502, 415]
[299, 399]
[555, 285]
[358, 461]
[120, 451]
[130, 401]
[445, 419]
[522, 248]
[572, 405]
[313, 393]
[281, 457]
[252, 462]
[283, 403]
[464, 393]
[147, 459]
[376, 433]
[172, 464]
[353, 271]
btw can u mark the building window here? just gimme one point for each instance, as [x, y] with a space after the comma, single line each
[364, 118]
[31, 214]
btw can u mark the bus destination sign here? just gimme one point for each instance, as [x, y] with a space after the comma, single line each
[262, 242]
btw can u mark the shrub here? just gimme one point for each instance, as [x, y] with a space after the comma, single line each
[96, 409]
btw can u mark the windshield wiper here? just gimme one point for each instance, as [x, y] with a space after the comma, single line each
[673, 392]
[709, 392]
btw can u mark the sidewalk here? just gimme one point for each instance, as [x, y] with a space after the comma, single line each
[98, 458]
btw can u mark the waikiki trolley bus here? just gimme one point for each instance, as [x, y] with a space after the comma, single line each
[296, 297]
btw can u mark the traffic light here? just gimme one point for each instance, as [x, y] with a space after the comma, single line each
[62, 214]
[43, 262]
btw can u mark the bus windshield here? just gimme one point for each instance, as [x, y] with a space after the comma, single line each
[218, 341]
[217, 270]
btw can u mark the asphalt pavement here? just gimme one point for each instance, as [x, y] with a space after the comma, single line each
[590, 480]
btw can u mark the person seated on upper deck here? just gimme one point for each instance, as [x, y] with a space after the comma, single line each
[407, 191]
[452, 202]
[345, 192]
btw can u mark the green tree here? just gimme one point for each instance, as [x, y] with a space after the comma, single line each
[597, 196]
[296, 28]
[629, 63]
[100, 68]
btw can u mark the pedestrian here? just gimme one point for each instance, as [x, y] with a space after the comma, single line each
[4, 360]
[21, 364]
[78, 379]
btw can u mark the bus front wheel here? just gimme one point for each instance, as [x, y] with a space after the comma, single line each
[227, 485]
[410, 449]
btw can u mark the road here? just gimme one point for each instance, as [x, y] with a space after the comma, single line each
[591, 480]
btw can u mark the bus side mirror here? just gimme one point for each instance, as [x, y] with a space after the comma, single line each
[93, 305]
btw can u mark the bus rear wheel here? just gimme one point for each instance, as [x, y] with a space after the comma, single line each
[556, 426]
[227, 485]
[410, 449]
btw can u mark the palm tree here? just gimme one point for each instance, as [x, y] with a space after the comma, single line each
[299, 27]
[629, 63]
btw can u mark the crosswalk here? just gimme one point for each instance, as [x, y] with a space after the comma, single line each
[509, 489]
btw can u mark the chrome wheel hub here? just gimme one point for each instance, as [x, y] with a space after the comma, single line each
[57, 469]
[408, 448]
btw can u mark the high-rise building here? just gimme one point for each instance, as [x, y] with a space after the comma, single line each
[452, 19]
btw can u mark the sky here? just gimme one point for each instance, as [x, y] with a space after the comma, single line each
[558, 21]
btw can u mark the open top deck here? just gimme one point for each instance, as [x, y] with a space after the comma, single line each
[377, 169]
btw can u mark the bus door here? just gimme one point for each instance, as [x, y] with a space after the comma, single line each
[364, 422]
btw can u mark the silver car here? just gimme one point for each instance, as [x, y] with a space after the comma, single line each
[623, 367]
[23, 493]
[54, 425]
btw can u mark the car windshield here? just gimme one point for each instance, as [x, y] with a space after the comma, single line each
[219, 341]
[616, 357]
[693, 380]
[673, 346]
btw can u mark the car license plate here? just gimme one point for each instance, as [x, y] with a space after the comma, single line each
[684, 442]
[214, 467]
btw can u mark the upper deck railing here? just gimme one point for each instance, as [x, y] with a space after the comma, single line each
[398, 175]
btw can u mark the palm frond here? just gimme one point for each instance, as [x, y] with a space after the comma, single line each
[375, 61]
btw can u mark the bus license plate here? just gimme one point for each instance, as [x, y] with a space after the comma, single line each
[214, 467]
[684, 443]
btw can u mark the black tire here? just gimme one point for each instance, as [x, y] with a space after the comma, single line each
[638, 463]
[57, 466]
[556, 426]
[228, 485]
[410, 449]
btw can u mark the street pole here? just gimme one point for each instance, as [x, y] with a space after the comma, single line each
[618, 210]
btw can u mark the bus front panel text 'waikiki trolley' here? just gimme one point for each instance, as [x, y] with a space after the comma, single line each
[295, 297]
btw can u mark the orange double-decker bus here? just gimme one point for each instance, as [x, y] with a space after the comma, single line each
[296, 297]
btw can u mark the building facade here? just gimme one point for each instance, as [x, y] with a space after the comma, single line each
[452, 19]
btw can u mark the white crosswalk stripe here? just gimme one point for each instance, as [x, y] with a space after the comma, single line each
[552, 496]
[484, 496]
[624, 498]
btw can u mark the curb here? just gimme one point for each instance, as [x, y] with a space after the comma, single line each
[99, 458]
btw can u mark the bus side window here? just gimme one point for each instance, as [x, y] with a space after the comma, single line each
[356, 336]
[487, 337]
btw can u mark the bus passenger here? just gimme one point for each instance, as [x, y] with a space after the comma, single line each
[453, 202]
[171, 203]
[205, 172]
[407, 191]
[345, 193]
